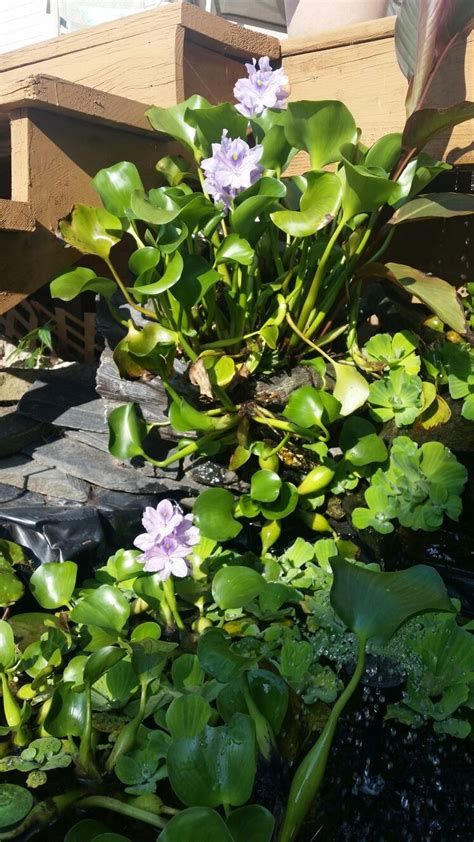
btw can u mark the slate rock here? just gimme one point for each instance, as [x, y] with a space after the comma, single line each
[66, 397]
[23, 472]
[16, 431]
[11, 496]
[77, 459]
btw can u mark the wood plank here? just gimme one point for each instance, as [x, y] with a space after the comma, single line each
[357, 33]
[53, 94]
[138, 57]
[364, 74]
[16, 216]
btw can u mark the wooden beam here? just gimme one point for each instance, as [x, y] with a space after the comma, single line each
[16, 216]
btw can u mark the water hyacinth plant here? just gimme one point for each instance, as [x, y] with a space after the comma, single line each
[243, 271]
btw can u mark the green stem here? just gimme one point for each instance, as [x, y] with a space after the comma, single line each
[126, 739]
[168, 590]
[123, 289]
[310, 772]
[263, 731]
[310, 301]
[86, 758]
[11, 707]
[104, 802]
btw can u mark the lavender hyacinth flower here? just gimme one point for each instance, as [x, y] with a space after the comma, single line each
[264, 88]
[167, 541]
[232, 168]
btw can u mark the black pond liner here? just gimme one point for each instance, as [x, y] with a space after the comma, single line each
[386, 782]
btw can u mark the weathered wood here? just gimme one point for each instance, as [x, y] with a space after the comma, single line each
[16, 216]
[140, 57]
[358, 66]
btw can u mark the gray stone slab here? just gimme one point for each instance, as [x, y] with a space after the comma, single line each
[17, 431]
[11, 496]
[66, 397]
[22, 472]
[77, 459]
[98, 440]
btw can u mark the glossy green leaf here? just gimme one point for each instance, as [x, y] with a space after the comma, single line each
[196, 823]
[210, 123]
[321, 128]
[235, 587]
[173, 121]
[283, 506]
[85, 831]
[269, 131]
[385, 152]
[105, 607]
[155, 208]
[100, 661]
[168, 280]
[422, 125]
[319, 205]
[184, 417]
[15, 803]
[360, 443]
[91, 230]
[149, 657]
[75, 281]
[67, 715]
[149, 629]
[269, 692]
[7, 646]
[309, 407]
[124, 565]
[434, 206]
[265, 486]
[52, 584]
[143, 259]
[150, 589]
[254, 202]
[126, 432]
[365, 190]
[374, 605]
[196, 279]
[115, 186]
[234, 249]
[351, 388]
[214, 514]
[437, 294]
[215, 767]
[11, 588]
[187, 716]
[219, 659]
[252, 823]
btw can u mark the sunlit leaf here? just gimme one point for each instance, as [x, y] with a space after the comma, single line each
[52, 584]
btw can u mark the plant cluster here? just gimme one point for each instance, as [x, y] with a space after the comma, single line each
[170, 732]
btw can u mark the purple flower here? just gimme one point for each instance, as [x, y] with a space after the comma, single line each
[263, 89]
[232, 168]
[168, 540]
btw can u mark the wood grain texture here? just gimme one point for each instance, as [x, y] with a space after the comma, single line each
[61, 154]
[16, 216]
[139, 57]
[358, 66]
[53, 94]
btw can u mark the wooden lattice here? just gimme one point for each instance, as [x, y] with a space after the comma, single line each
[75, 336]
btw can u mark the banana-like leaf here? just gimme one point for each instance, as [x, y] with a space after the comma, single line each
[435, 205]
[424, 33]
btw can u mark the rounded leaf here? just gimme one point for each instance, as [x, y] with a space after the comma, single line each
[75, 281]
[115, 186]
[321, 128]
[235, 587]
[106, 607]
[194, 824]
[7, 646]
[214, 515]
[187, 716]
[265, 486]
[91, 230]
[15, 803]
[252, 823]
[53, 583]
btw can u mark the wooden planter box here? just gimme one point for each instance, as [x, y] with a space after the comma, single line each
[75, 104]
[358, 66]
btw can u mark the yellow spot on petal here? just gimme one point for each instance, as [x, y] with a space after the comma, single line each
[235, 156]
